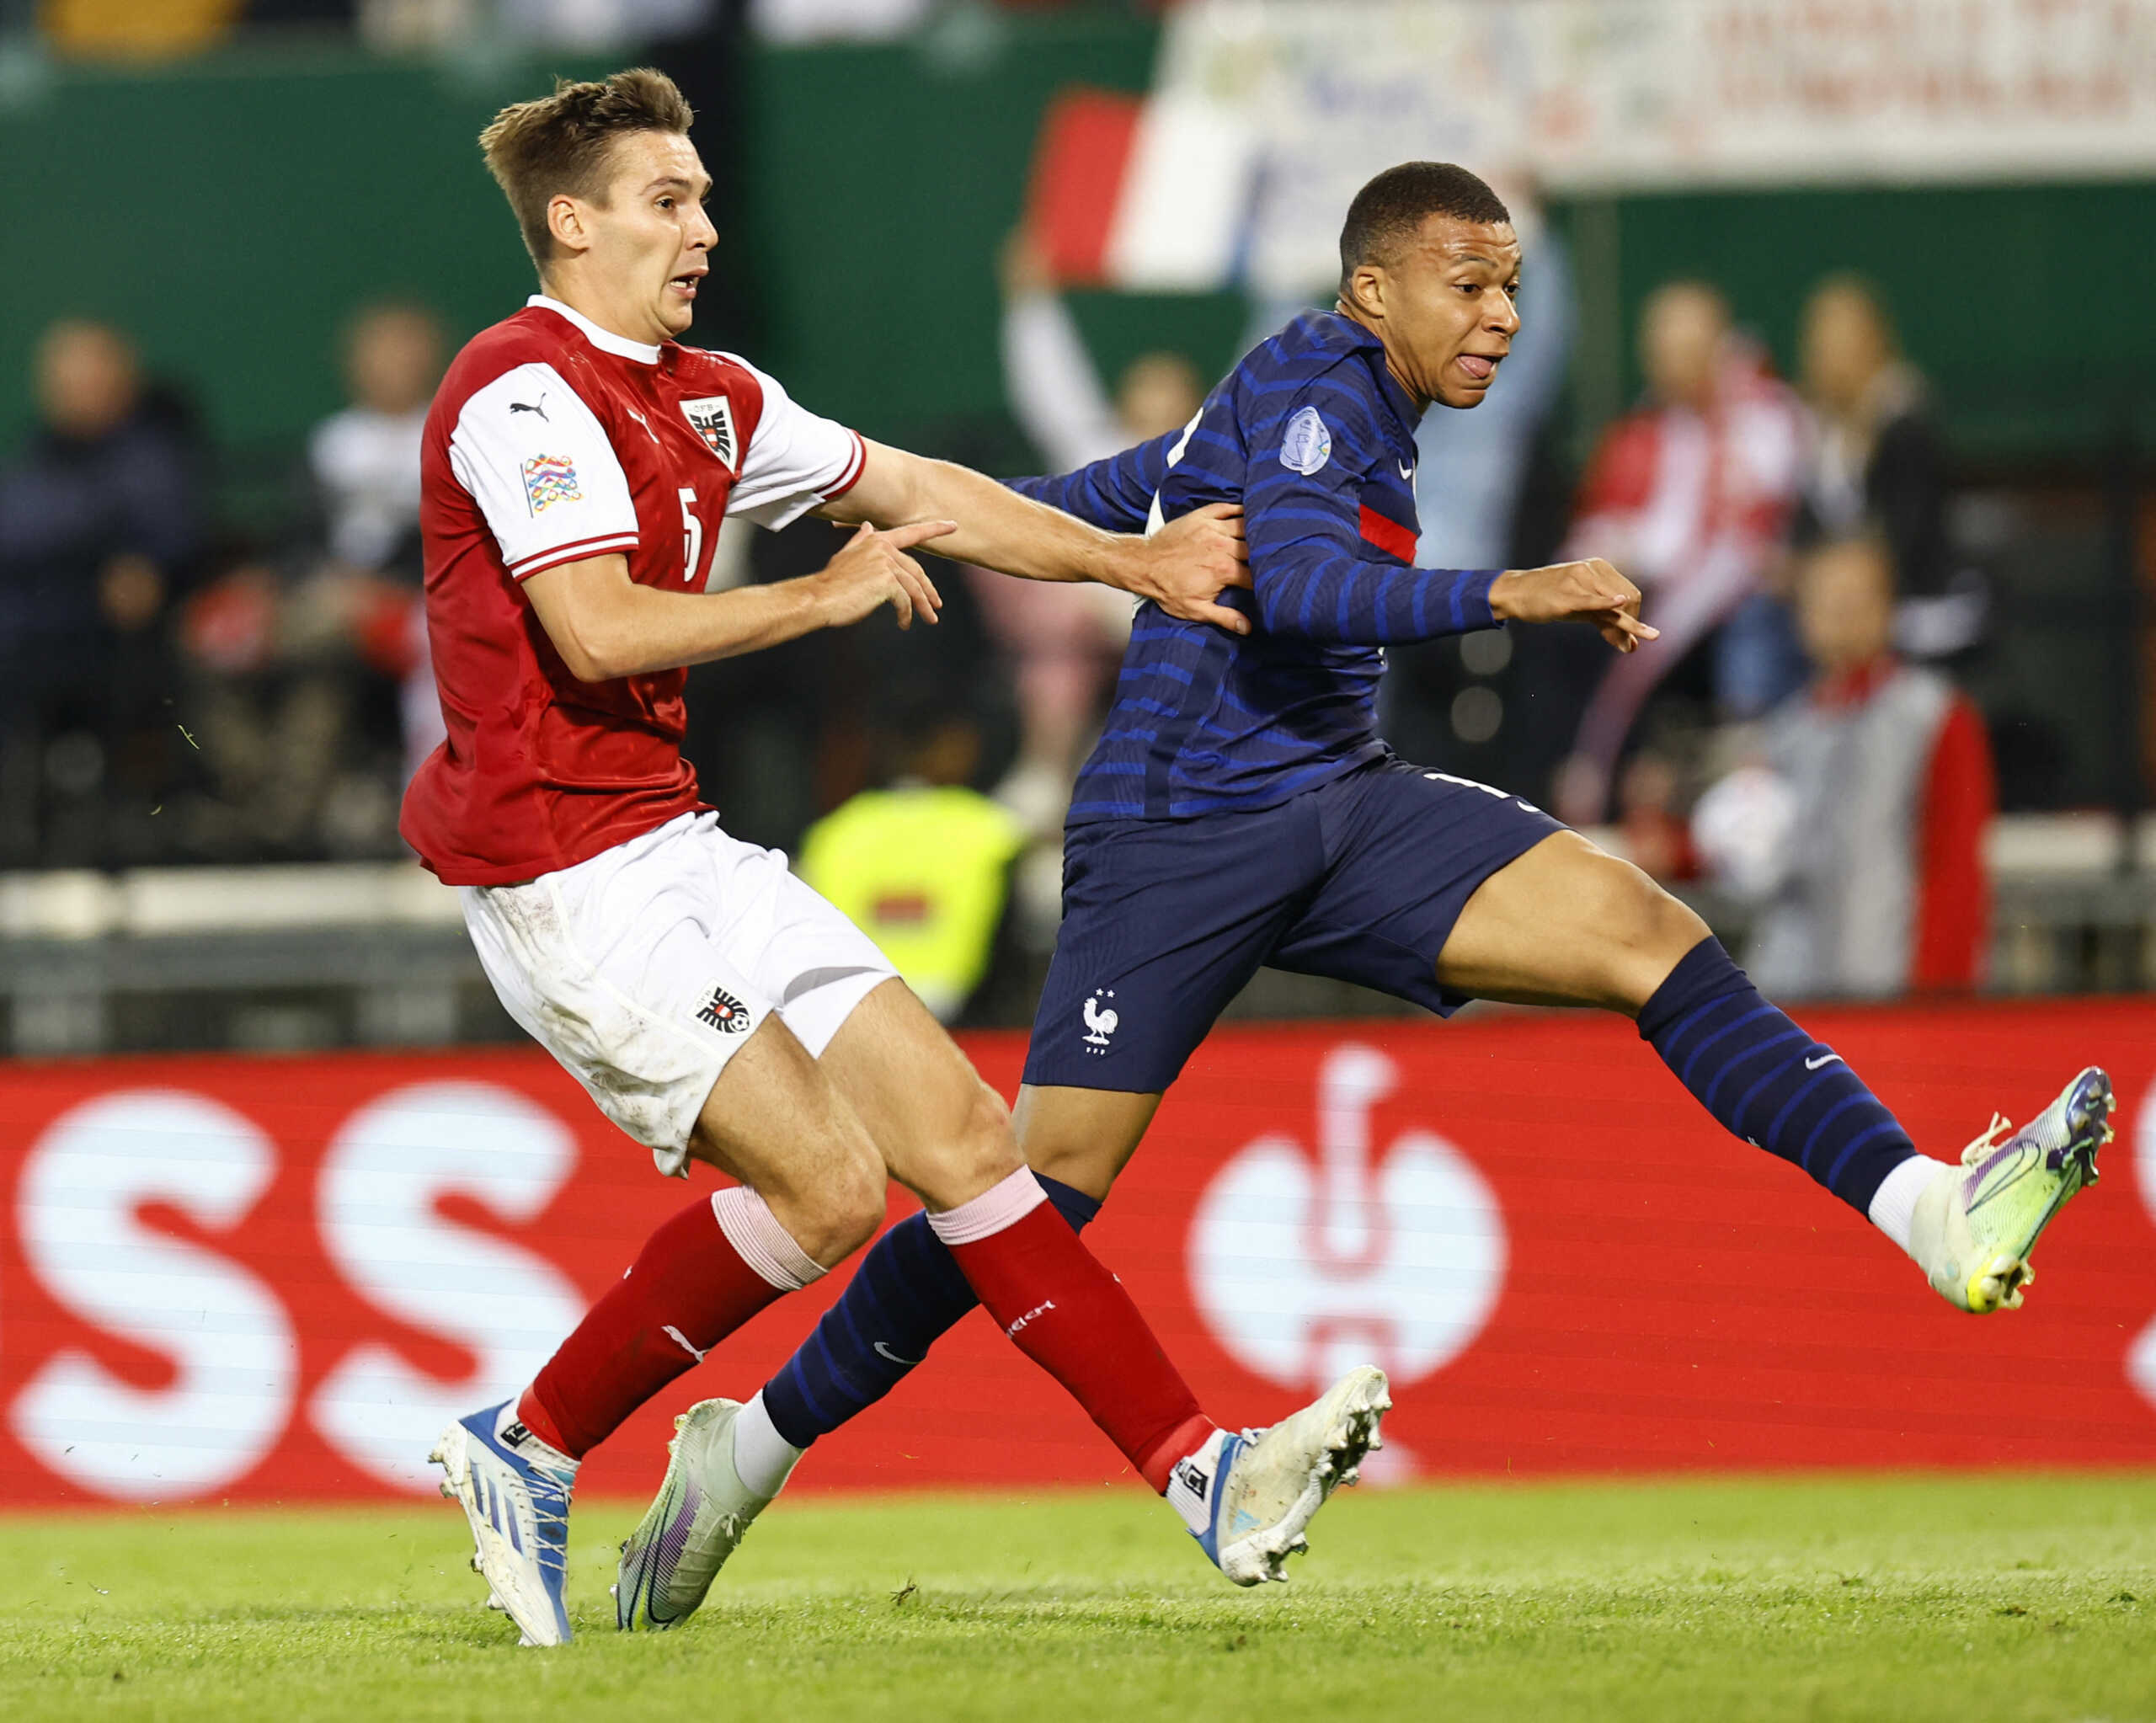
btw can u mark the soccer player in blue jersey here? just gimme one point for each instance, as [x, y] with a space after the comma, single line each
[1241, 811]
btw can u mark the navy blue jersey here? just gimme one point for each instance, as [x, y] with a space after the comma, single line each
[1312, 435]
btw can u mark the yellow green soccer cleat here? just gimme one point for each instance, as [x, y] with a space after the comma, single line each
[698, 1519]
[1973, 1230]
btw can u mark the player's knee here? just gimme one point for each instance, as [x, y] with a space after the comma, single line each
[1649, 931]
[833, 1206]
[978, 1153]
[849, 1207]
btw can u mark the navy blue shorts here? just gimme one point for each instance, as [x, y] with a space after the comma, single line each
[1164, 920]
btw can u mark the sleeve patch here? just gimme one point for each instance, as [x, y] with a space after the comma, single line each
[549, 479]
[1308, 445]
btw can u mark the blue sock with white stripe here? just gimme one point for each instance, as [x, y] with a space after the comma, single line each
[1769, 1080]
[908, 1291]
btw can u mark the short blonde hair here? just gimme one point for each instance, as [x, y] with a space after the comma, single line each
[558, 145]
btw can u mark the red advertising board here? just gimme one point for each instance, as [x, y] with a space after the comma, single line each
[273, 1278]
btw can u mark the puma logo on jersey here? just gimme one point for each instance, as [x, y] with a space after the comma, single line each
[538, 407]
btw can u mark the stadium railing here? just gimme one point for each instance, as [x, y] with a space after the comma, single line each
[376, 954]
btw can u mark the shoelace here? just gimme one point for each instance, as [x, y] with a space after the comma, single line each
[549, 1517]
[1988, 1140]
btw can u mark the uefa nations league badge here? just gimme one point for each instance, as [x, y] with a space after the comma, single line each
[1308, 445]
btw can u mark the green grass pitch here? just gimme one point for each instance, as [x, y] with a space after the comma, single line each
[1994, 1599]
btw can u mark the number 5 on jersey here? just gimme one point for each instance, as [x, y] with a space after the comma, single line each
[692, 534]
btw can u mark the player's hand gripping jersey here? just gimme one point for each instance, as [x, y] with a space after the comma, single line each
[1312, 435]
[551, 440]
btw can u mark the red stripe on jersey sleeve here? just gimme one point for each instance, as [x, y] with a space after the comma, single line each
[1388, 535]
[853, 472]
[575, 553]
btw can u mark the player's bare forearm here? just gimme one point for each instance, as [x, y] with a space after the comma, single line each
[606, 626]
[997, 528]
[1183, 568]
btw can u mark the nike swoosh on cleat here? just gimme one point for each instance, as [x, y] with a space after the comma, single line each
[1814, 1064]
[907, 1363]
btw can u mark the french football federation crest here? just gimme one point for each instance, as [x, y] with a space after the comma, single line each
[712, 418]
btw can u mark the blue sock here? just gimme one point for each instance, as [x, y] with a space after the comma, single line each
[907, 1292]
[1769, 1080]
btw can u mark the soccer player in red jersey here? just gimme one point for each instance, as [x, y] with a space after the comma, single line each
[577, 463]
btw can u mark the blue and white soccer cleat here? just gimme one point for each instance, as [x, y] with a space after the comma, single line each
[515, 1490]
[1976, 1224]
[1266, 1485]
[699, 1517]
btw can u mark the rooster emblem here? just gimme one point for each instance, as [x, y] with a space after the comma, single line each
[1099, 1024]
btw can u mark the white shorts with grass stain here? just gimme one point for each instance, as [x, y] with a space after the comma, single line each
[644, 970]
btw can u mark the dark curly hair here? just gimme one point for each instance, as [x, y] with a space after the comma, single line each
[1392, 208]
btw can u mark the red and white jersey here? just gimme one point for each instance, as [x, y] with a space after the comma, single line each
[551, 440]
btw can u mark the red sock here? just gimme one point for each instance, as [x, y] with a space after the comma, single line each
[699, 1277]
[1071, 1317]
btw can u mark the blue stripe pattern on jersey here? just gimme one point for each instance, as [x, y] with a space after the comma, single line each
[1312, 435]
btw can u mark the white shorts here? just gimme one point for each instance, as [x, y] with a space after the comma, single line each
[644, 970]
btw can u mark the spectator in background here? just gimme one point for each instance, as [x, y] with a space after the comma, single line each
[283, 655]
[99, 523]
[1876, 457]
[1691, 495]
[923, 867]
[364, 461]
[1860, 828]
[1064, 641]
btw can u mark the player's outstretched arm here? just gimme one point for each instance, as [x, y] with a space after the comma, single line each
[1115, 493]
[606, 626]
[1184, 568]
[1587, 591]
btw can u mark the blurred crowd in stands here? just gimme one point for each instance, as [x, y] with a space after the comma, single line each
[142, 29]
[172, 692]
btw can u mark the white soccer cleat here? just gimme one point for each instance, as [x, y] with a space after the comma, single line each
[1976, 1225]
[698, 1519]
[1266, 1485]
[515, 1492]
